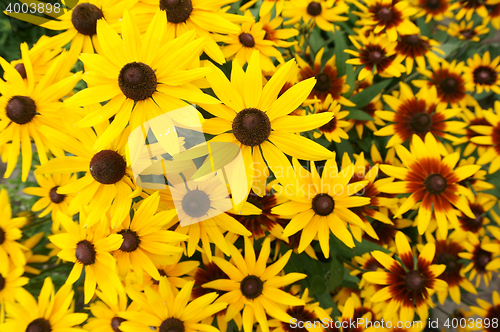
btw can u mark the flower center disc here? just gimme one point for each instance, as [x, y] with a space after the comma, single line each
[39, 325]
[21, 109]
[432, 4]
[115, 323]
[178, 11]
[251, 127]
[314, 8]
[55, 197]
[450, 261]
[323, 204]
[485, 75]
[483, 258]
[172, 325]
[2, 236]
[412, 39]
[421, 122]
[108, 167]
[137, 81]
[384, 14]
[414, 281]
[84, 18]
[196, 203]
[435, 184]
[449, 85]
[21, 70]
[85, 252]
[251, 287]
[247, 40]
[376, 57]
[323, 82]
[130, 240]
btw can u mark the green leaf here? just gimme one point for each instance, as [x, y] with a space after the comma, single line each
[318, 285]
[360, 115]
[425, 28]
[366, 96]
[341, 56]
[326, 301]
[316, 41]
[336, 273]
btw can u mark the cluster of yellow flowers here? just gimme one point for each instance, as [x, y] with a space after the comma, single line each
[186, 244]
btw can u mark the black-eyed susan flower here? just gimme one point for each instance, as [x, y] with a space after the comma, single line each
[480, 204]
[106, 185]
[478, 180]
[11, 283]
[335, 129]
[432, 180]
[435, 10]
[377, 55]
[469, 7]
[52, 312]
[493, 16]
[447, 251]
[483, 73]
[50, 200]
[10, 233]
[143, 78]
[273, 29]
[387, 16]
[489, 313]
[409, 285]
[465, 31]
[323, 205]
[260, 121]
[255, 288]
[491, 138]
[145, 242]
[418, 48]
[327, 80]
[165, 311]
[449, 82]
[482, 263]
[27, 105]
[89, 248]
[417, 115]
[251, 37]
[322, 13]
[471, 119]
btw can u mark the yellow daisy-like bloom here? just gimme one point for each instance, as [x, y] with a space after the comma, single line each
[478, 180]
[27, 105]
[165, 311]
[480, 205]
[89, 248]
[475, 118]
[206, 19]
[51, 201]
[260, 121]
[322, 13]
[465, 31]
[106, 185]
[274, 33]
[11, 282]
[334, 130]
[493, 16]
[322, 204]
[387, 16]
[145, 242]
[491, 138]
[432, 180]
[255, 288]
[52, 312]
[10, 232]
[482, 262]
[140, 77]
[483, 73]
[489, 313]
[79, 24]
[469, 7]
[251, 37]
[418, 49]
[378, 56]
[417, 115]
[410, 285]
[435, 10]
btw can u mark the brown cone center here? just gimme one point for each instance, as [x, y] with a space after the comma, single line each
[485, 75]
[432, 4]
[414, 281]
[435, 184]
[251, 287]
[314, 8]
[196, 203]
[247, 40]
[39, 325]
[21, 70]
[137, 81]
[2, 236]
[323, 82]
[55, 197]
[85, 252]
[21, 109]
[172, 325]
[108, 167]
[449, 85]
[384, 14]
[421, 122]
[178, 11]
[450, 261]
[412, 39]
[131, 240]
[84, 18]
[323, 204]
[375, 57]
[115, 323]
[251, 127]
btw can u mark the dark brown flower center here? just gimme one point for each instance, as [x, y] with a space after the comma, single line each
[421, 122]
[435, 184]
[468, 34]
[414, 281]
[323, 204]
[39, 325]
[432, 4]
[376, 56]
[55, 197]
[323, 82]
[21, 109]
[251, 127]
[162, 274]
[384, 14]
[2, 236]
[85, 252]
[108, 167]
[314, 8]
[115, 323]
[178, 11]
[2, 282]
[485, 75]
[84, 18]
[251, 287]
[247, 40]
[130, 240]
[412, 39]
[482, 258]
[21, 70]
[196, 203]
[449, 85]
[372, 265]
[172, 325]
[450, 261]
[137, 81]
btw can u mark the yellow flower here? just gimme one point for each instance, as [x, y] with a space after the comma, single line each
[483, 73]
[322, 13]
[10, 232]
